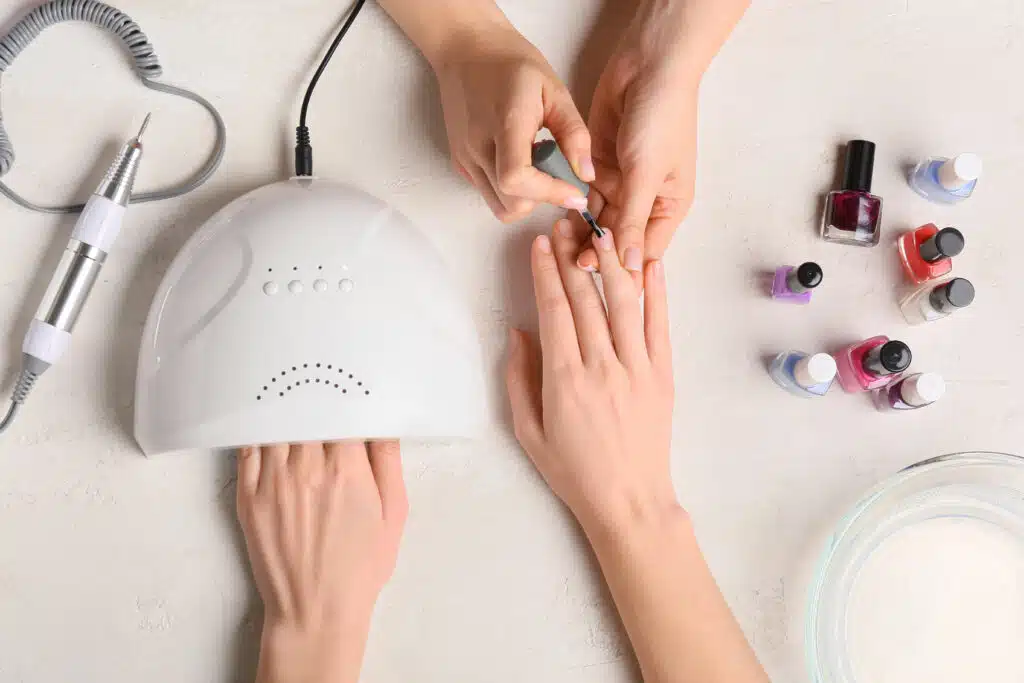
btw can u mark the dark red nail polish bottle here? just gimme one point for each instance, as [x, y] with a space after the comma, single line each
[853, 215]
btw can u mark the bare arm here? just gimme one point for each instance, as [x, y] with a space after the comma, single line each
[594, 412]
[433, 26]
[678, 623]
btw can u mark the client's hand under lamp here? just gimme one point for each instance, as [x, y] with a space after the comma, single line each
[322, 523]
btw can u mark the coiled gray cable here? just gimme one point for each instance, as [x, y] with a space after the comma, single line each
[147, 66]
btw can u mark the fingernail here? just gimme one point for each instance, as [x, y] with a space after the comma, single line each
[634, 260]
[544, 244]
[657, 269]
[575, 203]
[564, 228]
[604, 242]
[587, 171]
[584, 266]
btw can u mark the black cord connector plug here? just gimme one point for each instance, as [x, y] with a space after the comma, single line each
[303, 152]
[303, 148]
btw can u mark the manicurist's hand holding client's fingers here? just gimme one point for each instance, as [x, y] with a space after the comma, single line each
[643, 120]
[593, 409]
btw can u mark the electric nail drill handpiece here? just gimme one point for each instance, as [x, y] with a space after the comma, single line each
[548, 158]
[49, 334]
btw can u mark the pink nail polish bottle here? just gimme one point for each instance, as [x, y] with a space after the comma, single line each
[872, 364]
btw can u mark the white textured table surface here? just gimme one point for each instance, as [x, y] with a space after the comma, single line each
[117, 568]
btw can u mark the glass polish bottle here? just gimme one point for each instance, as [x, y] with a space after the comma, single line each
[852, 214]
[872, 364]
[802, 374]
[946, 181]
[911, 393]
[935, 301]
[795, 284]
[927, 253]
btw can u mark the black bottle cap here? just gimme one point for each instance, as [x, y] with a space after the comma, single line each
[946, 243]
[957, 293]
[860, 165]
[809, 275]
[804, 278]
[890, 358]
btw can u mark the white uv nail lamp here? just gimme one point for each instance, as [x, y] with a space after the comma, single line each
[307, 310]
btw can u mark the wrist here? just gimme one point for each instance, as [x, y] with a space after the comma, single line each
[312, 652]
[685, 35]
[623, 517]
[457, 32]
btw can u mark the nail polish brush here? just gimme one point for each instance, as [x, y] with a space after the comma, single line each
[548, 158]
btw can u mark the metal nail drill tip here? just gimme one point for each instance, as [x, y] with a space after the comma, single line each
[145, 125]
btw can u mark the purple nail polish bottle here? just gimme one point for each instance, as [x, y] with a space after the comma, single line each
[795, 284]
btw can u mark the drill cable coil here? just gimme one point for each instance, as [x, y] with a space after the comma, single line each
[147, 66]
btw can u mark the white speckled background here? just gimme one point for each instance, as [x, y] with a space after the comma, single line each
[116, 568]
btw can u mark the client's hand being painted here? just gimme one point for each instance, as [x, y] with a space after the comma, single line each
[322, 524]
[594, 408]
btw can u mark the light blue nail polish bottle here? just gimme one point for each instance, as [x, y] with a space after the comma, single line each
[802, 374]
[946, 181]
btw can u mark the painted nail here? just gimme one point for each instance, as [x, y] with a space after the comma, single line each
[564, 228]
[634, 260]
[544, 244]
[604, 242]
[587, 172]
[575, 203]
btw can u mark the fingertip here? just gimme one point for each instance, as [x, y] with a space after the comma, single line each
[588, 261]
[543, 244]
[587, 172]
[633, 259]
[604, 242]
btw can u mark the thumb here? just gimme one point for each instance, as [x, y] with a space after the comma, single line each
[563, 119]
[638, 193]
[523, 382]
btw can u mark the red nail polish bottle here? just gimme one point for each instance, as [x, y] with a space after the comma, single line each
[853, 215]
[927, 253]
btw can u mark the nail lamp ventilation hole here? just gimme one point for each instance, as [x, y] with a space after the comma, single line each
[307, 310]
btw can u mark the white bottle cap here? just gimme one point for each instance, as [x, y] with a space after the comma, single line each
[920, 390]
[813, 370]
[959, 171]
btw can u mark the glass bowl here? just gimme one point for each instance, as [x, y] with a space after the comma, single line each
[985, 490]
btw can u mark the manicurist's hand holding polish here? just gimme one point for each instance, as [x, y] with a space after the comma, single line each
[497, 91]
[593, 409]
[322, 525]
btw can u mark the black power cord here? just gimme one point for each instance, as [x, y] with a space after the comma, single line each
[303, 148]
